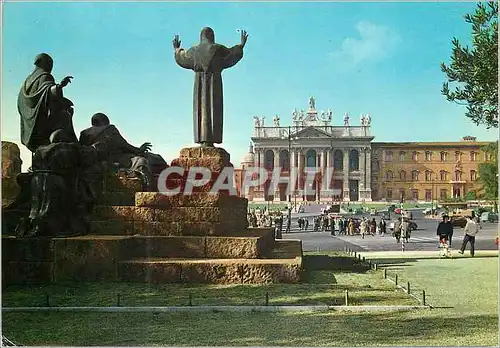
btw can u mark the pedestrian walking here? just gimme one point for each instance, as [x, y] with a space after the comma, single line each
[405, 229]
[373, 227]
[444, 231]
[382, 226]
[288, 224]
[471, 229]
[332, 228]
[351, 227]
[338, 223]
[306, 224]
[397, 230]
[363, 228]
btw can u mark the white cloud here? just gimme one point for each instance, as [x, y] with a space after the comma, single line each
[375, 43]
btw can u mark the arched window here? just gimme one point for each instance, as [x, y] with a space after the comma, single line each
[473, 156]
[338, 160]
[284, 160]
[311, 158]
[269, 160]
[414, 175]
[443, 175]
[389, 175]
[443, 156]
[428, 156]
[402, 156]
[458, 175]
[473, 175]
[402, 175]
[428, 175]
[414, 156]
[458, 155]
[353, 160]
[375, 166]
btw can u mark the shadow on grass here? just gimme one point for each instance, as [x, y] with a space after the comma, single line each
[252, 329]
[334, 263]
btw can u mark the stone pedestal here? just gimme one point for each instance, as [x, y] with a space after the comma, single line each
[215, 159]
[152, 237]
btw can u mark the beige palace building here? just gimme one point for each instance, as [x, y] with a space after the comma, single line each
[426, 171]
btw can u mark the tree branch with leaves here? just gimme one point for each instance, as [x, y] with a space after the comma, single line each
[474, 71]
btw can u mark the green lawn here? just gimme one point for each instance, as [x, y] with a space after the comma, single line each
[465, 314]
[469, 285]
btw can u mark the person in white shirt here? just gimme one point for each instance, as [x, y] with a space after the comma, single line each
[363, 228]
[470, 229]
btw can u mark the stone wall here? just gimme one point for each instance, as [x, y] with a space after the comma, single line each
[11, 166]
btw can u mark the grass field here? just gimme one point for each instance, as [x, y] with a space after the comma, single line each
[465, 314]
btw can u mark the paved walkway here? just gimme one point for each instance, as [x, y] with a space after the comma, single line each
[423, 254]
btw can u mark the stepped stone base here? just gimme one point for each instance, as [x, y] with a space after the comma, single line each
[151, 259]
[150, 237]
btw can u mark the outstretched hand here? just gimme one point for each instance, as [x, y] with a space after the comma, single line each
[146, 147]
[244, 38]
[176, 42]
[65, 81]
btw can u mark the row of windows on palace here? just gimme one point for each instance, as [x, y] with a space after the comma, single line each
[443, 156]
[443, 175]
[443, 194]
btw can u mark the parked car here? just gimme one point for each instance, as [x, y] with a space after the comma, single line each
[407, 214]
[458, 221]
[489, 216]
[386, 215]
[427, 211]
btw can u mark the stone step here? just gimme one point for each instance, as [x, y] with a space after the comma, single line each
[197, 199]
[169, 220]
[215, 271]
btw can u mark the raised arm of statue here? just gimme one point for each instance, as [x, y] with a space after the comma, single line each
[184, 58]
[231, 56]
[121, 143]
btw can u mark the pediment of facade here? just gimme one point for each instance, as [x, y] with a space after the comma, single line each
[312, 132]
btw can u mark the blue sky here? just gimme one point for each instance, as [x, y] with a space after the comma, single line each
[376, 58]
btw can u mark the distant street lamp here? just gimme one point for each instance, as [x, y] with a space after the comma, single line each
[290, 138]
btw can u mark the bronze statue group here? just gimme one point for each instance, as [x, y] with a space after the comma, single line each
[60, 189]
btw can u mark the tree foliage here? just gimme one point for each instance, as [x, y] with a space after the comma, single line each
[474, 71]
[488, 172]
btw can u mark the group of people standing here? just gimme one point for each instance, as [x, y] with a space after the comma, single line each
[372, 227]
[445, 233]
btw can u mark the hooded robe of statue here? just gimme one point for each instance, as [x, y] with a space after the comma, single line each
[208, 59]
[41, 111]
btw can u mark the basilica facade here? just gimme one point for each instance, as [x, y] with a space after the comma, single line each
[360, 169]
[312, 141]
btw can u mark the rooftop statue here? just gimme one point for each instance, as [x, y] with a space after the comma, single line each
[312, 103]
[276, 121]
